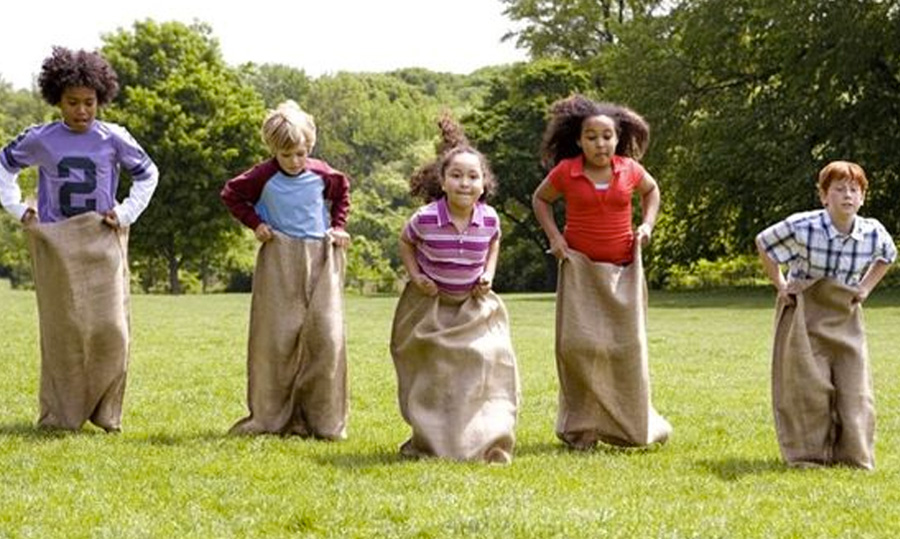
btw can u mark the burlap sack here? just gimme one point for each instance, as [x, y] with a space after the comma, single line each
[297, 357]
[81, 279]
[457, 378]
[601, 355]
[821, 387]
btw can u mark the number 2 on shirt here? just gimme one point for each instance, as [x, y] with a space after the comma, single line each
[85, 187]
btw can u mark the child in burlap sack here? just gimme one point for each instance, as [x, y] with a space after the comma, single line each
[601, 342]
[456, 370]
[821, 385]
[297, 208]
[78, 238]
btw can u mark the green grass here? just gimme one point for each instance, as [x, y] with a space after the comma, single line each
[174, 472]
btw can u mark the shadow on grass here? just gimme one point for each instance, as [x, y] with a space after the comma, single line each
[733, 469]
[170, 440]
[27, 430]
[559, 448]
[359, 461]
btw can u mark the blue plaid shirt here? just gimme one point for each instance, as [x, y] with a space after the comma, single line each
[812, 247]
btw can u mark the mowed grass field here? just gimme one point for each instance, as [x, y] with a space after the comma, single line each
[174, 472]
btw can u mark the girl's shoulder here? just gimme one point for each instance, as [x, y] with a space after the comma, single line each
[429, 209]
[487, 210]
[566, 165]
[562, 171]
[626, 163]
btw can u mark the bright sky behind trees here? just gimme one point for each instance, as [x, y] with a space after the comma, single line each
[322, 36]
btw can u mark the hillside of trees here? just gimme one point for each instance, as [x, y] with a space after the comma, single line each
[746, 99]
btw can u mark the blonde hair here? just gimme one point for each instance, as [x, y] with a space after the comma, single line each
[842, 170]
[288, 126]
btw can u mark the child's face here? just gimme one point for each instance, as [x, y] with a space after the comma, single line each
[463, 181]
[79, 107]
[843, 198]
[292, 160]
[598, 140]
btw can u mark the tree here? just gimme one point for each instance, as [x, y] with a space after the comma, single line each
[748, 100]
[199, 123]
[508, 128]
[366, 119]
[276, 82]
[574, 29]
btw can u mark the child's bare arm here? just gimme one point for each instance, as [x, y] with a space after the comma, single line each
[870, 280]
[650, 200]
[486, 281]
[541, 202]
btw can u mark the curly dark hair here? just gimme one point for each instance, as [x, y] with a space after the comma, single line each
[68, 69]
[564, 129]
[425, 183]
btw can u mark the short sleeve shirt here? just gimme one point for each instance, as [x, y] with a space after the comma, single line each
[78, 172]
[454, 260]
[813, 248]
[598, 221]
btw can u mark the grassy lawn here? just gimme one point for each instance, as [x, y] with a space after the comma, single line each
[174, 473]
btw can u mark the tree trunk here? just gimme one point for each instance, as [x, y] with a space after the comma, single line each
[205, 274]
[174, 283]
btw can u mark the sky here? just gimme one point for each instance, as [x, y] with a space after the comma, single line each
[320, 37]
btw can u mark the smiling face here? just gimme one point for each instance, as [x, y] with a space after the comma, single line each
[842, 199]
[463, 182]
[598, 140]
[79, 107]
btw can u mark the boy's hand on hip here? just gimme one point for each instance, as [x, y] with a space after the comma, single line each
[111, 220]
[787, 296]
[339, 237]
[263, 232]
[30, 217]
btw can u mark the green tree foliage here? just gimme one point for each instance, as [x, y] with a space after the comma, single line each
[200, 124]
[508, 128]
[574, 29]
[366, 119]
[277, 83]
[18, 110]
[748, 100]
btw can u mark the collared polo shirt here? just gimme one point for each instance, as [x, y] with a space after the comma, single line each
[812, 247]
[453, 259]
[598, 221]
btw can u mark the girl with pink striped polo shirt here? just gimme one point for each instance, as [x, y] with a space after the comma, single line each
[456, 369]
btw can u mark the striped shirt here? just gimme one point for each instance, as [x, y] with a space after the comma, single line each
[812, 247]
[454, 260]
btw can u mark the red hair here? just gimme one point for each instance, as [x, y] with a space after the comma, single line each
[842, 170]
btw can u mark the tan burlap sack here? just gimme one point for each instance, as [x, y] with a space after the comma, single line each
[81, 280]
[458, 383]
[297, 356]
[821, 387]
[601, 355]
